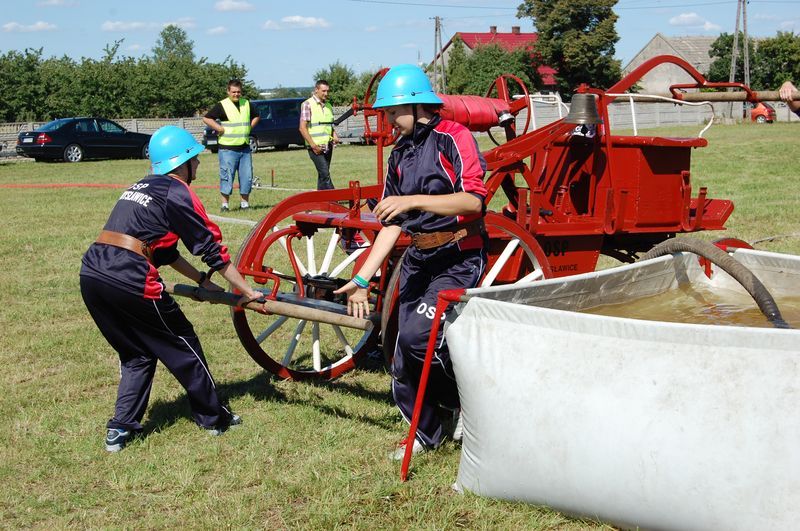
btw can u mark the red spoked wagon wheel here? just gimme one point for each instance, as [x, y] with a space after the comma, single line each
[499, 89]
[515, 257]
[310, 262]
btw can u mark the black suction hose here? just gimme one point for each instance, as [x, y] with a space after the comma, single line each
[744, 276]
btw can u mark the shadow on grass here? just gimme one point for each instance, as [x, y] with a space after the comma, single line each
[162, 414]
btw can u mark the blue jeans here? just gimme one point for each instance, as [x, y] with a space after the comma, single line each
[229, 162]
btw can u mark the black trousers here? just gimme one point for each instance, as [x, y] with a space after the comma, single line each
[420, 284]
[143, 331]
[323, 164]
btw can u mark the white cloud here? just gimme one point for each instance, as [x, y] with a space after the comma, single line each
[789, 24]
[693, 20]
[409, 45]
[371, 29]
[296, 21]
[123, 25]
[687, 19]
[185, 23]
[217, 30]
[761, 16]
[134, 48]
[119, 25]
[56, 3]
[16, 27]
[233, 5]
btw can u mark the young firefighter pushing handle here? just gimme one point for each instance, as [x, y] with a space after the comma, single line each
[434, 191]
[128, 301]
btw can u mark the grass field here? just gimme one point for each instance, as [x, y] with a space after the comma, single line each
[308, 455]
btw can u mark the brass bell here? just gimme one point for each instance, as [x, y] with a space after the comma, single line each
[583, 110]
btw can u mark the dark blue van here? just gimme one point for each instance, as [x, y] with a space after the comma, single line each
[278, 127]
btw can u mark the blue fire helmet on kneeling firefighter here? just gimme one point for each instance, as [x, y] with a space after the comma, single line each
[170, 147]
[405, 84]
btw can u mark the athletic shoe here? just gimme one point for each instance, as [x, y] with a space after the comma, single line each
[400, 452]
[452, 423]
[244, 205]
[116, 439]
[224, 208]
[235, 421]
[458, 431]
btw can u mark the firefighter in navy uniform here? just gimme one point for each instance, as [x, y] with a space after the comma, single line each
[126, 297]
[433, 191]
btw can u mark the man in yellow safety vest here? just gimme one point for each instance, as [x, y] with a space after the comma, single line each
[237, 116]
[316, 126]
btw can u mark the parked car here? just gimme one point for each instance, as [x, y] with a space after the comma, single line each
[77, 139]
[762, 113]
[278, 127]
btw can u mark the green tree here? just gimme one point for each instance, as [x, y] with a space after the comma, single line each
[173, 43]
[175, 85]
[358, 87]
[474, 73]
[488, 62]
[341, 79]
[21, 85]
[285, 92]
[457, 70]
[721, 51]
[577, 38]
[778, 61]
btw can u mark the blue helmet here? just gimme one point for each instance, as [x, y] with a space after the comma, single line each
[170, 147]
[405, 84]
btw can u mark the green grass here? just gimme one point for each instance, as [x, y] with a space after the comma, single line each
[308, 455]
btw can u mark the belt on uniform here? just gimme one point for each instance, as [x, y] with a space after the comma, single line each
[431, 240]
[118, 239]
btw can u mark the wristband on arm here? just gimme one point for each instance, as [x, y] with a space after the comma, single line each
[360, 282]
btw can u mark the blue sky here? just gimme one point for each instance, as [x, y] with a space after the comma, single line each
[285, 43]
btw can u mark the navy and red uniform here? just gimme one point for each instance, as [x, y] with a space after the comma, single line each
[126, 298]
[440, 158]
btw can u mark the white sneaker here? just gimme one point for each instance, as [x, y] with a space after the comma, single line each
[400, 452]
[458, 430]
[219, 430]
[244, 205]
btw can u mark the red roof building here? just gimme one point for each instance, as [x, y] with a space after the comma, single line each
[507, 41]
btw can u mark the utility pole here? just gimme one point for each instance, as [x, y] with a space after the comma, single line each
[746, 48]
[439, 82]
[734, 52]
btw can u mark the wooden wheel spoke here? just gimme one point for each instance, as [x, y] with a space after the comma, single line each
[298, 332]
[312, 261]
[332, 245]
[348, 349]
[271, 329]
[316, 355]
[509, 249]
[348, 260]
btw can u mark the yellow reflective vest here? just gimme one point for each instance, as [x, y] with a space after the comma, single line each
[237, 128]
[321, 125]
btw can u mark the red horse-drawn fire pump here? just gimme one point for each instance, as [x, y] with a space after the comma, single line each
[558, 199]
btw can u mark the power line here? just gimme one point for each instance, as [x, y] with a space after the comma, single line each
[427, 4]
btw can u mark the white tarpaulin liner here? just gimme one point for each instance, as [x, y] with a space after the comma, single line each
[638, 423]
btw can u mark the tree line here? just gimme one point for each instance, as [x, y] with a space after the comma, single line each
[169, 83]
[576, 38]
[773, 60]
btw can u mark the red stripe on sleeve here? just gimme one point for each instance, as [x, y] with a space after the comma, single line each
[466, 151]
[210, 225]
